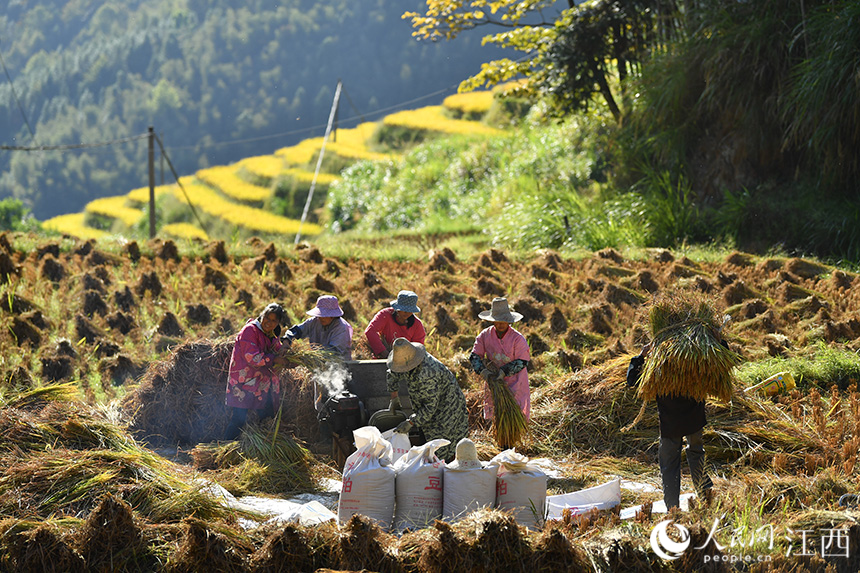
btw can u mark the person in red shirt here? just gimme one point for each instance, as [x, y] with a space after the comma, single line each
[396, 321]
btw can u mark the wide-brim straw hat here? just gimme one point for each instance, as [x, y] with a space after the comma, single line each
[405, 355]
[407, 301]
[327, 305]
[500, 312]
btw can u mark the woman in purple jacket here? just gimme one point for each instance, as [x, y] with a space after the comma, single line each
[254, 383]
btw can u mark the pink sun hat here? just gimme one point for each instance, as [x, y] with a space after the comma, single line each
[327, 305]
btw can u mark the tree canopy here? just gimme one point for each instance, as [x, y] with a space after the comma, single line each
[573, 52]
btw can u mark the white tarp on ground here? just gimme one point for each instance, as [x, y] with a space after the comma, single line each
[603, 496]
[306, 509]
[658, 506]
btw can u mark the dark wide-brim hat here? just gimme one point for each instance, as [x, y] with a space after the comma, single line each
[500, 312]
[405, 355]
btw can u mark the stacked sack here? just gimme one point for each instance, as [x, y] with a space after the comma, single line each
[418, 486]
[468, 484]
[400, 444]
[368, 479]
[520, 489]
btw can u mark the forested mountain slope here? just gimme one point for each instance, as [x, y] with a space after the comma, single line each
[219, 80]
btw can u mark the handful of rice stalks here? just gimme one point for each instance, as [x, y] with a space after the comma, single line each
[509, 422]
[312, 357]
[687, 358]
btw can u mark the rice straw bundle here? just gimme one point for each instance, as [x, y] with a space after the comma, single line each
[313, 357]
[687, 358]
[509, 422]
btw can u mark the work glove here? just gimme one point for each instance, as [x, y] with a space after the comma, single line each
[486, 374]
[403, 427]
[394, 405]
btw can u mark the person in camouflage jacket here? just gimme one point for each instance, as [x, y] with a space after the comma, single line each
[438, 404]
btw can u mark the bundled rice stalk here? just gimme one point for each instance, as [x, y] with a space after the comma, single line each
[216, 455]
[39, 396]
[509, 422]
[272, 461]
[310, 356]
[687, 358]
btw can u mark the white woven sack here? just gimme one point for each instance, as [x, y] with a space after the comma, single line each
[400, 444]
[465, 490]
[520, 489]
[418, 486]
[368, 482]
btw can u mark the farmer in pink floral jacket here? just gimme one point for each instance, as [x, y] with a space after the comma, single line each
[253, 383]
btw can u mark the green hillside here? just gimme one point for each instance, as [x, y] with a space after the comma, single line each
[245, 196]
[218, 80]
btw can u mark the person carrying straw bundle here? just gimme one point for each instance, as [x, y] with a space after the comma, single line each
[686, 361]
[500, 355]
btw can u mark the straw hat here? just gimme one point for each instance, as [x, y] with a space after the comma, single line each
[500, 312]
[405, 355]
[407, 301]
[327, 305]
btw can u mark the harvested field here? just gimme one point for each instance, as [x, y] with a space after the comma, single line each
[113, 360]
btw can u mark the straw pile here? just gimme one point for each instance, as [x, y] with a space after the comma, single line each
[686, 358]
[181, 400]
[509, 422]
[62, 458]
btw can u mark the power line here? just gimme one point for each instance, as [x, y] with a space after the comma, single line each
[72, 145]
[318, 126]
[15, 94]
[178, 182]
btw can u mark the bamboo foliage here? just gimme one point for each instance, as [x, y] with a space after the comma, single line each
[687, 358]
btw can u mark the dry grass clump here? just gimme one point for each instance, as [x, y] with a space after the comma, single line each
[362, 543]
[266, 458]
[38, 548]
[490, 540]
[286, 550]
[206, 547]
[686, 358]
[111, 539]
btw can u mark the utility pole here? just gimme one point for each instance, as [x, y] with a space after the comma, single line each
[151, 183]
[331, 120]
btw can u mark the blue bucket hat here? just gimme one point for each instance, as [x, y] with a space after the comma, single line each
[407, 301]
